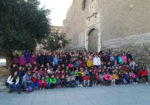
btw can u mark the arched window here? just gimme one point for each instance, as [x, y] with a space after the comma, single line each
[84, 4]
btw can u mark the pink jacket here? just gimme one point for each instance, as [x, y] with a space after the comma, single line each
[124, 58]
[132, 75]
[97, 77]
[41, 72]
[108, 77]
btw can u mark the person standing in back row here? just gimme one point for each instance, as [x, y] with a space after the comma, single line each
[96, 61]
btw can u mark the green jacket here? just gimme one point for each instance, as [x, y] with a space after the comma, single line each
[53, 80]
[48, 79]
[76, 73]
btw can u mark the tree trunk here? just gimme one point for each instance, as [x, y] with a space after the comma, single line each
[9, 58]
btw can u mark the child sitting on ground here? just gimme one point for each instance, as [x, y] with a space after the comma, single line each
[53, 81]
[42, 83]
[86, 80]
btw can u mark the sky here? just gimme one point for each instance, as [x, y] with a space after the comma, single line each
[58, 9]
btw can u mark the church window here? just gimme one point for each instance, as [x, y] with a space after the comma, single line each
[84, 4]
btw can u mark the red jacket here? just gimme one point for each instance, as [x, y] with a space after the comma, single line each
[144, 73]
[97, 77]
[86, 78]
[34, 79]
[40, 82]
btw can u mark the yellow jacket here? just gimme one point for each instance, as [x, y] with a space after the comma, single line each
[116, 77]
[89, 63]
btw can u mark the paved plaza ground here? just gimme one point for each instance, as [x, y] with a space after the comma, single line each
[113, 95]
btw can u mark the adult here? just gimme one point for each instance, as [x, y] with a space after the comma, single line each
[13, 82]
[96, 61]
[26, 81]
[143, 73]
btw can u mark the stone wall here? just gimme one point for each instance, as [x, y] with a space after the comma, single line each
[74, 24]
[138, 45]
[123, 18]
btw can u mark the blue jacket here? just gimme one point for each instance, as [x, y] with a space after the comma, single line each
[56, 60]
[120, 60]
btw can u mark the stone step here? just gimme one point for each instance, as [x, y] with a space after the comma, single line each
[2, 84]
[3, 80]
[3, 88]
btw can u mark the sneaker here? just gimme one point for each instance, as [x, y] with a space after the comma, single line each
[27, 91]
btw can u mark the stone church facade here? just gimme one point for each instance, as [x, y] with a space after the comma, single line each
[110, 24]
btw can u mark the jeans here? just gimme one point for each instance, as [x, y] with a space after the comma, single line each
[14, 87]
[79, 83]
[26, 84]
[48, 85]
[35, 84]
[146, 77]
[69, 84]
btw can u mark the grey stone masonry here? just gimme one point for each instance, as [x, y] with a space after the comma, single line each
[138, 45]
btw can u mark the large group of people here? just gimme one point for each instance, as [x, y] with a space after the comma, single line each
[48, 70]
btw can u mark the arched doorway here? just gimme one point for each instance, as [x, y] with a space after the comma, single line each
[93, 40]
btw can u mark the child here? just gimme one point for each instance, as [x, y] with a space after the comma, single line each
[22, 61]
[101, 79]
[52, 81]
[81, 71]
[116, 77]
[58, 81]
[42, 83]
[68, 81]
[133, 77]
[86, 80]
[107, 78]
[113, 81]
[93, 79]
[76, 72]
[89, 62]
[79, 80]
[48, 81]
[97, 79]
[35, 81]
[126, 78]
[41, 72]
[73, 80]
[63, 81]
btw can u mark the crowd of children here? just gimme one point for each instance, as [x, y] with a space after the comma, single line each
[73, 69]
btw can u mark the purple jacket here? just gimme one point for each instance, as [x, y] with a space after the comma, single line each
[32, 59]
[16, 60]
[22, 61]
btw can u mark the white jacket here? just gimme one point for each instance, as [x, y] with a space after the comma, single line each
[96, 61]
[10, 80]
